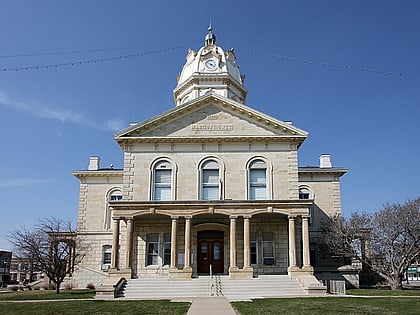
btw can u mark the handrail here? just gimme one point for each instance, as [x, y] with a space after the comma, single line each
[119, 287]
[211, 280]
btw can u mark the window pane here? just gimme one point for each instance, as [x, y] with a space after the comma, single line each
[257, 176]
[162, 189]
[162, 193]
[257, 184]
[211, 176]
[163, 176]
[216, 251]
[258, 193]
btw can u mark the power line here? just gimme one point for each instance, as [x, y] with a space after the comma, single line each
[331, 65]
[69, 52]
[342, 67]
[90, 61]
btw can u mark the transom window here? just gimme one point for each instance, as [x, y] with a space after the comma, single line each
[210, 181]
[162, 186]
[258, 180]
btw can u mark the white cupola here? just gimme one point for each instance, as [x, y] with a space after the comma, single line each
[210, 70]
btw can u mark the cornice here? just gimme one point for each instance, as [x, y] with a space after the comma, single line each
[319, 170]
[212, 139]
[98, 173]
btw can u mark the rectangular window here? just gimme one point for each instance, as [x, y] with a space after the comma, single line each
[268, 249]
[210, 184]
[257, 184]
[166, 249]
[152, 249]
[163, 185]
[254, 249]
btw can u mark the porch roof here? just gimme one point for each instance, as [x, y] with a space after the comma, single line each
[190, 208]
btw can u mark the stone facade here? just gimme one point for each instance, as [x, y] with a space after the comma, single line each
[210, 185]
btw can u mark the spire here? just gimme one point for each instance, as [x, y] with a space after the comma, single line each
[210, 38]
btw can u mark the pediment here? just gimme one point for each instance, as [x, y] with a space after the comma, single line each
[212, 116]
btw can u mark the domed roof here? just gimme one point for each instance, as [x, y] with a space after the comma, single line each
[210, 61]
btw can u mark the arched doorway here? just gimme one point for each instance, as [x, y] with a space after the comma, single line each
[210, 251]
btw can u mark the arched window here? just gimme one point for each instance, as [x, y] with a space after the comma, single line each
[210, 180]
[106, 257]
[113, 195]
[257, 180]
[162, 181]
[304, 192]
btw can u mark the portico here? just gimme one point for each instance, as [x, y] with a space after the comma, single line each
[215, 236]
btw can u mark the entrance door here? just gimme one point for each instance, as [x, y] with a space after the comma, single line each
[210, 252]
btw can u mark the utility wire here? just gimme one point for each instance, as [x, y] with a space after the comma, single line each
[342, 67]
[331, 65]
[90, 61]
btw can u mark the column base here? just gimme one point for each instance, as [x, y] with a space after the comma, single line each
[238, 274]
[296, 272]
[180, 274]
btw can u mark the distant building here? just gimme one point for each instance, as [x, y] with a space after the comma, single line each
[209, 185]
[24, 270]
[5, 261]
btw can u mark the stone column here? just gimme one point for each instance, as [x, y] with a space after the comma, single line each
[187, 251]
[129, 244]
[292, 243]
[305, 244]
[173, 243]
[247, 245]
[115, 243]
[233, 242]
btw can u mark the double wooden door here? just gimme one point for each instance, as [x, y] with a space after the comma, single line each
[210, 252]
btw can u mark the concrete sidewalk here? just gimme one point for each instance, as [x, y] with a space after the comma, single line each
[210, 306]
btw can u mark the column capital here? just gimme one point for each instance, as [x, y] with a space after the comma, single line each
[292, 216]
[233, 217]
[174, 217]
[247, 217]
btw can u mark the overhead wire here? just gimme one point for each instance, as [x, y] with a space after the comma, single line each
[331, 65]
[88, 61]
[343, 67]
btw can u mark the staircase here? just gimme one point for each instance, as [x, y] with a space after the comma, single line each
[264, 286]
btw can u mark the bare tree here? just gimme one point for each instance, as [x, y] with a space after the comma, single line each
[387, 241]
[53, 245]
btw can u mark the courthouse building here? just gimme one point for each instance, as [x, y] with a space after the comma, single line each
[209, 186]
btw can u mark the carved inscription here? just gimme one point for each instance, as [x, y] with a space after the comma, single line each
[212, 127]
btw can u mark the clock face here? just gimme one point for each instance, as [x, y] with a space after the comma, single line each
[211, 64]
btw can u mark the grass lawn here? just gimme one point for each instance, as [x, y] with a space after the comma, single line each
[331, 306]
[375, 292]
[45, 295]
[95, 307]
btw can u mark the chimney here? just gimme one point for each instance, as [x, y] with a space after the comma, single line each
[94, 163]
[325, 161]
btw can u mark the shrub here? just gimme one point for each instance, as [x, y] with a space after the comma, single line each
[90, 285]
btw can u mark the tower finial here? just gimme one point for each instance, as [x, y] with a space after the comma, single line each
[210, 38]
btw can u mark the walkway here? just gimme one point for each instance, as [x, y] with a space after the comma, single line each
[211, 306]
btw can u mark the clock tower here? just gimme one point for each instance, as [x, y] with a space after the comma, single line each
[210, 70]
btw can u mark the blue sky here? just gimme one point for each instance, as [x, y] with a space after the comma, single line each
[347, 72]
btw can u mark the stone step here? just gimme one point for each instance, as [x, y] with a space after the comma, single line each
[262, 286]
